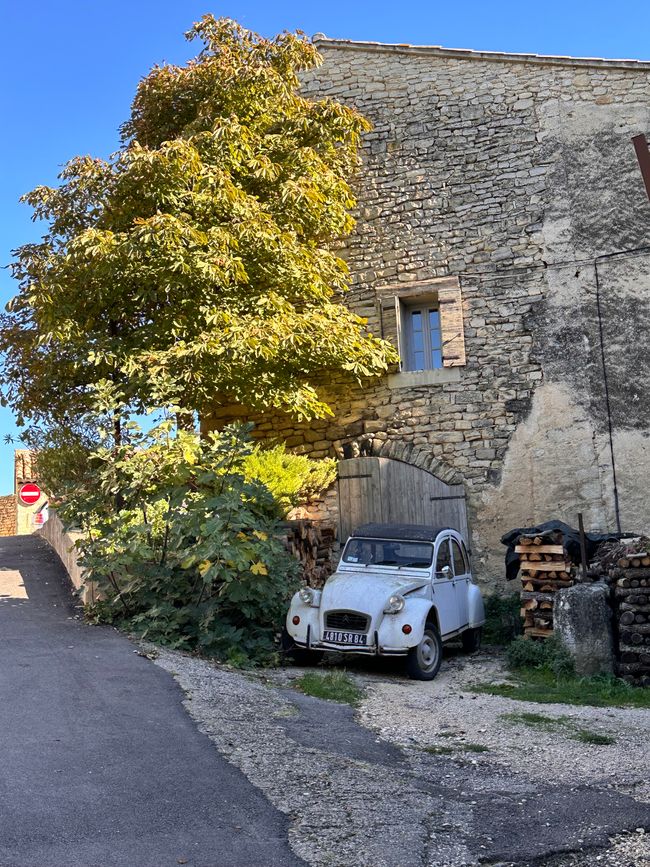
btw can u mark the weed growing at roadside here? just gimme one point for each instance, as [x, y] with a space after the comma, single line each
[438, 750]
[559, 724]
[543, 687]
[332, 685]
[536, 720]
[588, 737]
[550, 654]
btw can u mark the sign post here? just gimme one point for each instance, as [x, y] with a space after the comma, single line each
[29, 493]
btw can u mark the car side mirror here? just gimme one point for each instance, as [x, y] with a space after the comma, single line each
[446, 571]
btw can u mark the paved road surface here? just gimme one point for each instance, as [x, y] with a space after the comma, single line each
[100, 766]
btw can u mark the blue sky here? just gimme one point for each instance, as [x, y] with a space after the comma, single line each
[69, 69]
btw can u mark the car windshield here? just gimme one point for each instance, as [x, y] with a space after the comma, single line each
[388, 552]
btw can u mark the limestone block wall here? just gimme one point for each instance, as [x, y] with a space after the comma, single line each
[512, 174]
[8, 515]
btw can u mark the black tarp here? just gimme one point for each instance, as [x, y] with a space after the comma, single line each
[570, 540]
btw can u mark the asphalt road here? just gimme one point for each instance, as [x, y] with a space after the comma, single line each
[100, 765]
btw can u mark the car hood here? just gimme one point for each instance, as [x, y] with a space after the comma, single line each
[366, 591]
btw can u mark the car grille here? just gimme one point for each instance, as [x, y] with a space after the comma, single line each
[347, 620]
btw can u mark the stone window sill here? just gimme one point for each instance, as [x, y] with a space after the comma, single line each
[415, 378]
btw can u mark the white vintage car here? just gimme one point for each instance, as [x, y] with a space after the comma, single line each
[399, 590]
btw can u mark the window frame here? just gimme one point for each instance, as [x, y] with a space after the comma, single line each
[424, 307]
[437, 573]
[465, 571]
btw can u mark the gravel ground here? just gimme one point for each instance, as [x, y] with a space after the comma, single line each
[373, 795]
[631, 850]
[444, 713]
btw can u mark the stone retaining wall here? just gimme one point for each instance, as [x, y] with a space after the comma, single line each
[63, 543]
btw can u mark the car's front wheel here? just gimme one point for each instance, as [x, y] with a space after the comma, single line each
[423, 660]
[299, 655]
[471, 639]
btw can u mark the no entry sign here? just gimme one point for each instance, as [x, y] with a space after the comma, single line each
[29, 494]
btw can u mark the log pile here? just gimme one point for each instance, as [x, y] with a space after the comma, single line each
[631, 581]
[312, 544]
[545, 568]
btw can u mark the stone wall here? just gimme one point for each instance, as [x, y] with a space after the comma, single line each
[63, 543]
[512, 175]
[8, 515]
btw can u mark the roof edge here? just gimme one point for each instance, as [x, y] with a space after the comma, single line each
[471, 54]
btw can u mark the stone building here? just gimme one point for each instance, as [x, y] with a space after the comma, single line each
[502, 240]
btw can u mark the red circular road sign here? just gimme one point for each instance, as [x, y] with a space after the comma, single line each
[29, 494]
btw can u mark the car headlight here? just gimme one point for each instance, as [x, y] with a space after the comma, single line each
[394, 605]
[306, 595]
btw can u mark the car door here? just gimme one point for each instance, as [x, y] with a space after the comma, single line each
[461, 581]
[444, 592]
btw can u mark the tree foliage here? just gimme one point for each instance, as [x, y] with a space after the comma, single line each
[197, 261]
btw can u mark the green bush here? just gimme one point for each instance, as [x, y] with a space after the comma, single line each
[190, 556]
[292, 479]
[549, 654]
[502, 619]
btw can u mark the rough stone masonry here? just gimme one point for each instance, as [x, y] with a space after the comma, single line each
[512, 177]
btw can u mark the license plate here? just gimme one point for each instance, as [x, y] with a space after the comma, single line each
[336, 637]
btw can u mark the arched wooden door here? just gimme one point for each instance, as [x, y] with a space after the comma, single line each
[387, 491]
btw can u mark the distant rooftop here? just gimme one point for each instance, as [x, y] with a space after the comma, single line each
[471, 54]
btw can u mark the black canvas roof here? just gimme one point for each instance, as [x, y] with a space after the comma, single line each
[412, 532]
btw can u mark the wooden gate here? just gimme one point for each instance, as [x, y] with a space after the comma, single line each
[386, 491]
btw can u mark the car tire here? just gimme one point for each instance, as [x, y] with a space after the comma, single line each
[299, 655]
[471, 639]
[423, 660]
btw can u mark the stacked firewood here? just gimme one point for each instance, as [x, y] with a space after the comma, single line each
[312, 544]
[545, 568]
[631, 580]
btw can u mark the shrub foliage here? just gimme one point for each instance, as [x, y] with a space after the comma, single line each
[190, 555]
[502, 619]
[550, 655]
[292, 479]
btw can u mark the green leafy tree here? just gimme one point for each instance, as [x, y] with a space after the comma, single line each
[197, 263]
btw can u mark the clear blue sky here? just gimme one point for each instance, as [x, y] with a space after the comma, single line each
[69, 69]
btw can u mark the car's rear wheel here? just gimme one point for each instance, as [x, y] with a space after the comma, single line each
[471, 639]
[299, 655]
[423, 660]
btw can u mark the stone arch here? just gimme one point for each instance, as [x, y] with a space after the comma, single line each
[379, 446]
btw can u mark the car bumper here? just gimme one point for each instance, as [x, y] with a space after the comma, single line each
[374, 649]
